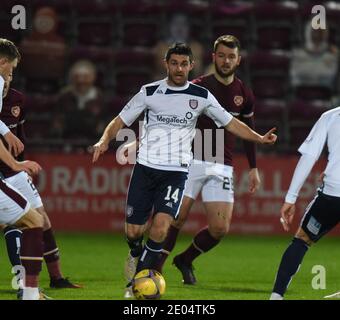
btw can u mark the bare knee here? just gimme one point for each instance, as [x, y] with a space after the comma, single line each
[218, 232]
[302, 235]
[159, 228]
[134, 231]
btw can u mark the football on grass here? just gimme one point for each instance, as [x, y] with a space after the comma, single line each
[148, 285]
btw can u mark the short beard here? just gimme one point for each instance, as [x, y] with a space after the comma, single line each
[225, 75]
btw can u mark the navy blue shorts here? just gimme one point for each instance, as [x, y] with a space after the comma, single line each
[321, 216]
[153, 190]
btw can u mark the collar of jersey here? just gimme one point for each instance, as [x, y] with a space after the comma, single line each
[186, 86]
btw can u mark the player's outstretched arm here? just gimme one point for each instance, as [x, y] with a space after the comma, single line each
[110, 133]
[241, 130]
[31, 167]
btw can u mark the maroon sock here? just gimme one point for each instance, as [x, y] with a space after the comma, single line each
[31, 255]
[168, 246]
[202, 242]
[51, 255]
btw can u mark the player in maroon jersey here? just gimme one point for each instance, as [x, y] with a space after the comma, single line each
[212, 173]
[13, 115]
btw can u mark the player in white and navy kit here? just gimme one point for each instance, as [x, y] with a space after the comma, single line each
[323, 213]
[171, 108]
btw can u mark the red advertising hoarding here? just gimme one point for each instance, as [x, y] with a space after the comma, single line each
[80, 196]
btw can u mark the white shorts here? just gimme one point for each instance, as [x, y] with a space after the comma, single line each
[213, 180]
[13, 205]
[24, 184]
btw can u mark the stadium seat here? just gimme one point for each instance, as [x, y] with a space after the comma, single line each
[138, 57]
[269, 74]
[232, 18]
[128, 82]
[266, 87]
[8, 32]
[63, 7]
[96, 54]
[266, 62]
[143, 34]
[313, 93]
[40, 103]
[270, 109]
[116, 105]
[300, 109]
[276, 24]
[301, 118]
[86, 8]
[43, 86]
[95, 33]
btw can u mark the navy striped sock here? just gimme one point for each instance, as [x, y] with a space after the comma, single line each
[150, 255]
[13, 243]
[289, 265]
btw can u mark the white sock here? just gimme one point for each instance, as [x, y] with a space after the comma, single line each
[31, 294]
[275, 296]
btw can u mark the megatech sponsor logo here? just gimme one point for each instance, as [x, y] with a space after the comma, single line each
[172, 120]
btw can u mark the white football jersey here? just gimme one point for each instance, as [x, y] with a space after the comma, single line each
[169, 123]
[326, 129]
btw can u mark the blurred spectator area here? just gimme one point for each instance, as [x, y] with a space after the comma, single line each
[118, 37]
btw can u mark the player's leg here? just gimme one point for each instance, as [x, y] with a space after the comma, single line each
[218, 199]
[167, 202]
[23, 182]
[175, 227]
[51, 251]
[321, 216]
[154, 244]
[31, 254]
[138, 209]
[15, 210]
[13, 243]
[219, 217]
[134, 237]
[193, 187]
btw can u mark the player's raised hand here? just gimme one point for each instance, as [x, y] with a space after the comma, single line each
[287, 215]
[31, 167]
[269, 137]
[98, 149]
[15, 146]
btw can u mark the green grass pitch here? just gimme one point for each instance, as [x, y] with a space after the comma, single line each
[240, 268]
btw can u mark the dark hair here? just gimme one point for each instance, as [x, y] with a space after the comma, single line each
[9, 50]
[179, 48]
[228, 41]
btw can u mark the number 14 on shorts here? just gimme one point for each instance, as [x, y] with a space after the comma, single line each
[172, 195]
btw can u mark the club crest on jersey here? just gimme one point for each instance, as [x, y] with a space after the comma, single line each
[15, 111]
[193, 103]
[238, 100]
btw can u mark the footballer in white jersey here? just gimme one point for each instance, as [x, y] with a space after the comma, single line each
[171, 107]
[323, 213]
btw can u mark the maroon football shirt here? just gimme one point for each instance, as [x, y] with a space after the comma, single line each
[13, 115]
[238, 100]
